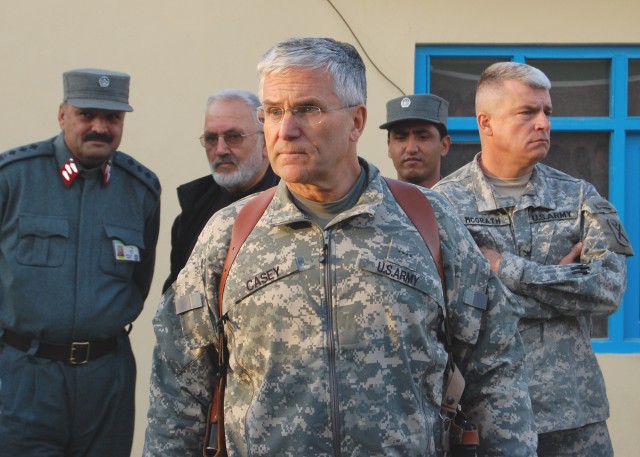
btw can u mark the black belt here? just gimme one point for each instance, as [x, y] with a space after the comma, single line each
[77, 353]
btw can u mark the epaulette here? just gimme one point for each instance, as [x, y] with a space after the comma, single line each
[139, 171]
[28, 151]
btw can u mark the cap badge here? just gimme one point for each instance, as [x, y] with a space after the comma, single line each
[104, 81]
[405, 102]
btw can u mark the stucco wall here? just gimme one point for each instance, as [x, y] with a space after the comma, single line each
[178, 53]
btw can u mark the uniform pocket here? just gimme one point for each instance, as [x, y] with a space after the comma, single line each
[42, 240]
[121, 250]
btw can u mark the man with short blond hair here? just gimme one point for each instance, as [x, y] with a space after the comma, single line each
[555, 243]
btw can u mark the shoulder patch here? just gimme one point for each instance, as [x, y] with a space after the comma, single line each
[619, 232]
[26, 152]
[598, 205]
[139, 171]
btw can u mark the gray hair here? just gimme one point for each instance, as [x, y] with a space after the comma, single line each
[249, 98]
[340, 60]
[497, 73]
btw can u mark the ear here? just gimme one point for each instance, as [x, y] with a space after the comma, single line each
[359, 121]
[264, 147]
[61, 114]
[388, 151]
[446, 144]
[484, 124]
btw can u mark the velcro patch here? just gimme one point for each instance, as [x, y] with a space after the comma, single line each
[475, 299]
[188, 303]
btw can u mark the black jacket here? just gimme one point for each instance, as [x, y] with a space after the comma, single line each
[199, 200]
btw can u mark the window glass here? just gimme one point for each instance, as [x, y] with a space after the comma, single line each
[455, 80]
[459, 155]
[579, 87]
[634, 87]
[584, 155]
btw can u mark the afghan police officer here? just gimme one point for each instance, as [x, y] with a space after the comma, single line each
[78, 233]
[417, 137]
[555, 243]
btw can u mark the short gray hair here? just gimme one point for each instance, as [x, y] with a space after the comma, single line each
[496, 74]
[249, 98]
[499, 72]
[340, 60]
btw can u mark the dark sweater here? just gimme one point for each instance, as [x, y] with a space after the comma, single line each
[199, 200]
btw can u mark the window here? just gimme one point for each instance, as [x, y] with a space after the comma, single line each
[595, 134]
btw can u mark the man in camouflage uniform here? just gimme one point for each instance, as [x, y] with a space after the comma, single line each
[555, 243]
[331, 307]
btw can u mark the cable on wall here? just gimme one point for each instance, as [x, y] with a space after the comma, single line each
[363, 49]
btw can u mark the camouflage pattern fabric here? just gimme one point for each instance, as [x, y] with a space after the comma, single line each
[532, 235]
[333, 337]
[590, 440]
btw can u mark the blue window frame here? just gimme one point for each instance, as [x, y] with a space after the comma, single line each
[620, 122]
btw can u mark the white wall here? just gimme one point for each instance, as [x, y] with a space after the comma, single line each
[178, 53]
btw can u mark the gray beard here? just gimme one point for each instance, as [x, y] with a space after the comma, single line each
[237, 180]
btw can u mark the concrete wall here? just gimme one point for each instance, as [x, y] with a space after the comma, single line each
[178, 53]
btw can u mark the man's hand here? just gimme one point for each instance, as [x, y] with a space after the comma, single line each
[573, 256]
[493, 257]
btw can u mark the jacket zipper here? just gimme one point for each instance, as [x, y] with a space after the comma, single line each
[331, 344]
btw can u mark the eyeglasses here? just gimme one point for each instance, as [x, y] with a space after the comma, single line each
[305, 114]
[210, 140]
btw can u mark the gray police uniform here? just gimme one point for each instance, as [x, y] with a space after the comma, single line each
[555, 212]
[333, 335]
[76, 265]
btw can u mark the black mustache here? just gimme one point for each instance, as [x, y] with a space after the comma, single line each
[105, 137]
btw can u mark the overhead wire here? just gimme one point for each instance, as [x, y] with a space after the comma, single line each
[363, 48]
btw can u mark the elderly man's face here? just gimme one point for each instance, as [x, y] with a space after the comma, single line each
[92, 135]
[310, 156]
[235, 167]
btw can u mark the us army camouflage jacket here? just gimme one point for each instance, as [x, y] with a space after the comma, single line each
[556, 211]
[333, 338]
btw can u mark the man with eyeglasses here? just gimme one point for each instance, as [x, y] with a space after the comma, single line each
[333, 305]
[237, 156]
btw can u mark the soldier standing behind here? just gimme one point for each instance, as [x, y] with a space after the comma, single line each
[555, 243]
[78, 230]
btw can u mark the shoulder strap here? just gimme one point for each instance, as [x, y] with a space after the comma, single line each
[246, 220]
[420, 212]
[419, 209]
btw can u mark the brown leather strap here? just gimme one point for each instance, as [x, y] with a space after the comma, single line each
[245, 221]
[419, 209]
